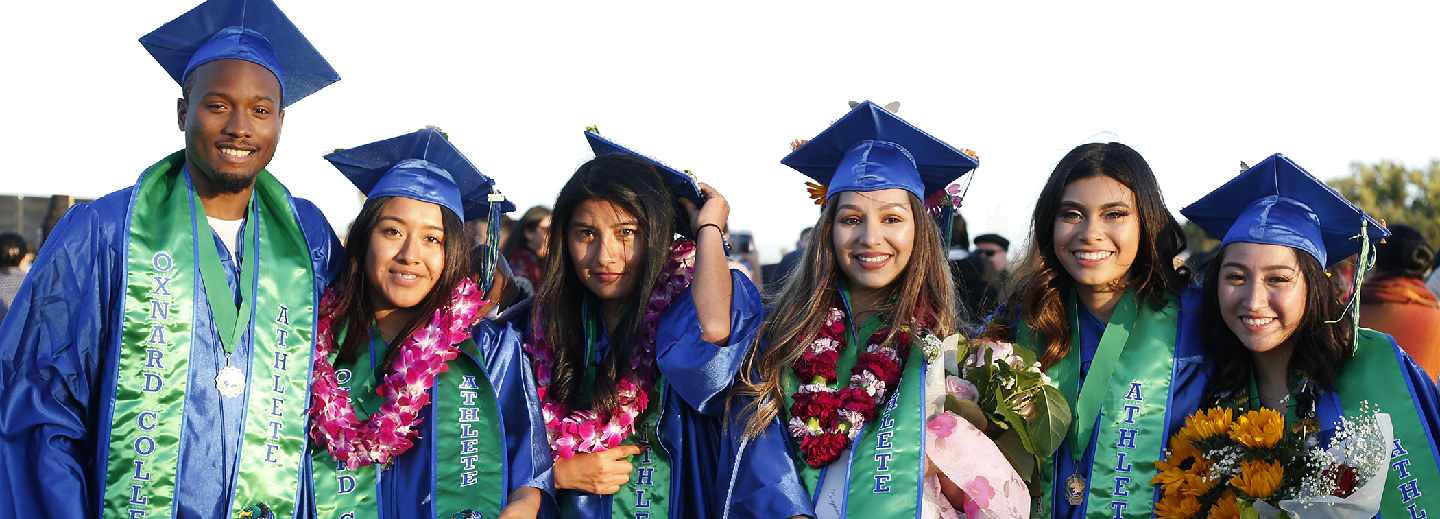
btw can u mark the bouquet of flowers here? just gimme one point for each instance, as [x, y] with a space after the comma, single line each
[1222, 466]
[1000, 388]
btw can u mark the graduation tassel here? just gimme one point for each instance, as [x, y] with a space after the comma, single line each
[492, 242]
[1364, 261]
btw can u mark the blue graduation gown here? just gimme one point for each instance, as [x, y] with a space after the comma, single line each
[696, 375]
[407, 488]
[57, 373]
[757, 477]
[1189, 384]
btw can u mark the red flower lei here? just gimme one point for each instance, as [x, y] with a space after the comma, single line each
[582, 431]
[423, 356]
[823, 421]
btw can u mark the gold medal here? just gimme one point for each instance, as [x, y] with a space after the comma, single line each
[1075, 489]
[230, 380]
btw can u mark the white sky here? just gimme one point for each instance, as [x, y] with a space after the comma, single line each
[722, 88]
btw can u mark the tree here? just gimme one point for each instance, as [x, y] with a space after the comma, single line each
[1394, 193]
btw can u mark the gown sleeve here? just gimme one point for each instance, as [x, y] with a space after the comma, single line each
[526, 444]
[51, 344]
[700, 371]
[757, 476]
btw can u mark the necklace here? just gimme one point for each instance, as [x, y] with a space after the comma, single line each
[582, 430]
[1280, 400]
[386, 433]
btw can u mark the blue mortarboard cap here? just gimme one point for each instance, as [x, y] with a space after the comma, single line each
[1278, 203]
[251, 30]
[423, 166]
[870, 149]
[681, 183]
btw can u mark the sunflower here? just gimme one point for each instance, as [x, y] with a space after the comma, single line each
[1171, 478]
[1257, 478]
[1176, 506]
[1199, 480]
[1260, 428]
[1182, 447]
[1226, 507]
[1206, 423]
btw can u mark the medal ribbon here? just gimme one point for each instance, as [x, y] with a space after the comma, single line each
[163, 285]
[230, 321]
[1131, 374]
[1376, 375]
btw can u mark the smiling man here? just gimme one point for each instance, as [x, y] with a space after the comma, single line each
[156, 361]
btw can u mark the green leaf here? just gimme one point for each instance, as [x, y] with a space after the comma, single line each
[968, 410]
[1052, 421]
[1018, 425]
[1012, 446]
[1247, 511]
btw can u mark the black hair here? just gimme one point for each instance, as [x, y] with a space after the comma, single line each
[636, 187]
[1321, 350]
[12, 250]
[959, 232]
[993, 239]
[353, 308]
[1405, 253]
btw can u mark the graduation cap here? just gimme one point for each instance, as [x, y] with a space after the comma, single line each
[251, 30]
[423, 166]
[1277, 202]
[870, 149]
[681, 183]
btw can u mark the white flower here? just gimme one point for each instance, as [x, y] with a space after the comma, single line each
[815, 388]
[798, 428]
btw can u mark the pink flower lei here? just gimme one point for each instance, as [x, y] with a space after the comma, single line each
[823, 421]
[583, 431]
[386, 434]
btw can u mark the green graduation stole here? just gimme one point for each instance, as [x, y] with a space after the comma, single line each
[169, 246]
[1375, 374]
[647, 494]
[1130, 378]
[468, 447]
[887, 462]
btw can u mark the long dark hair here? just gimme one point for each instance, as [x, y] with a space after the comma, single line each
[353, 308]
[1034, 291]
[1322, 348]
[635, 186]
[529, 222]
[924, 287]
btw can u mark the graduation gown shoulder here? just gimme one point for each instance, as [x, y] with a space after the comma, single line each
[58, 363]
